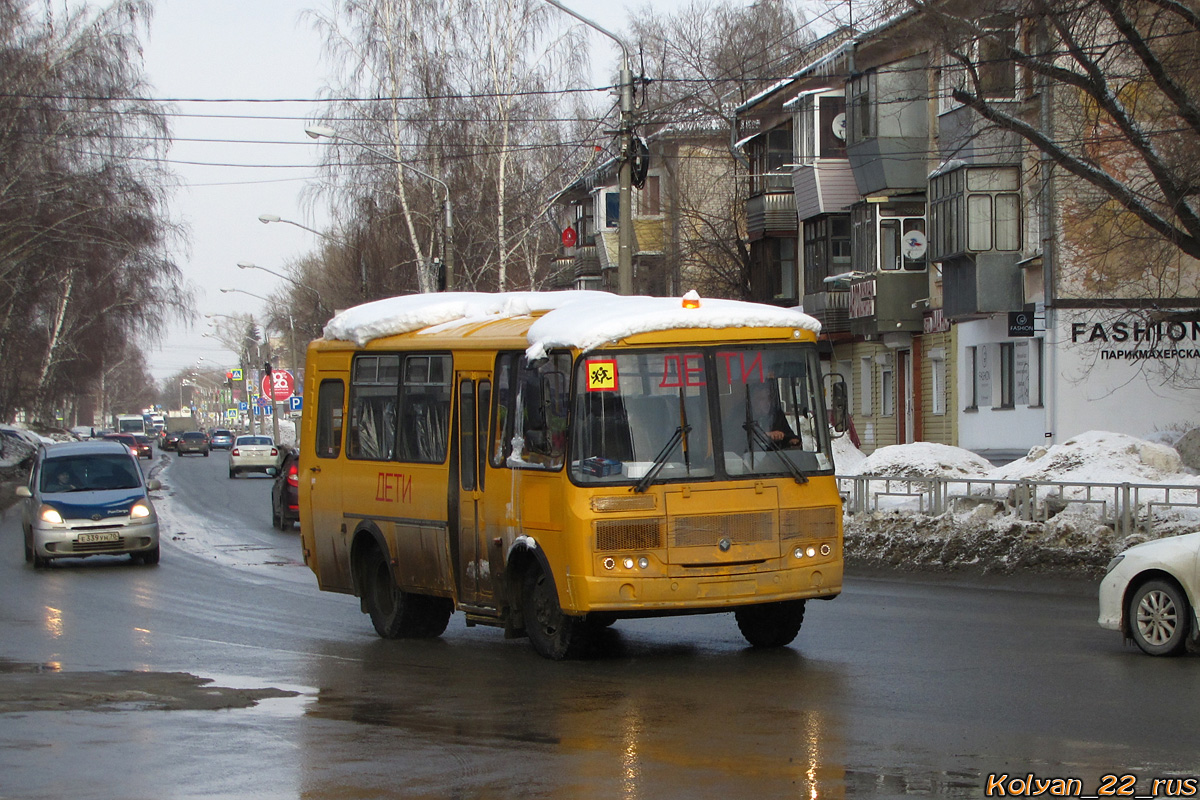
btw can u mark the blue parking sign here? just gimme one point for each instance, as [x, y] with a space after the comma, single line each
[295, 402]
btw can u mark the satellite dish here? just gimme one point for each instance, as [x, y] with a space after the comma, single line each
[839, 126]
[914, 245]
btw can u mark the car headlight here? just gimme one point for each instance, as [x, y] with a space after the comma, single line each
[50, 514]
[1113, 564]
[139, 511]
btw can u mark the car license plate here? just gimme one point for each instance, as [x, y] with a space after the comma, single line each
[106, 536]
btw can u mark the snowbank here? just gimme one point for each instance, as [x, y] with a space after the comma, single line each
[982, 532]
[922, 460]
[1100, 457]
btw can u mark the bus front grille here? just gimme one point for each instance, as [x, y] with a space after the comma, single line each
[709, 530]
[628, 534]
[808, 523]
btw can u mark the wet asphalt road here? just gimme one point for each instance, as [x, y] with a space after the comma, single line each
[905, 685]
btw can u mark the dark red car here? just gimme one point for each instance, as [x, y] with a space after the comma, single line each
[285, 492]
[127, 439]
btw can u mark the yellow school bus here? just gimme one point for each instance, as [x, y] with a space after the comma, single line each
[550, 463]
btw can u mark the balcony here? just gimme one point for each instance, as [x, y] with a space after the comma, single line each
[883, 302]
[831, 309]
[824, 187]
[978, 284]
[772, 214]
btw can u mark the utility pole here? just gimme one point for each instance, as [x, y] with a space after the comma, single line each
[625, 185]
[274, 409]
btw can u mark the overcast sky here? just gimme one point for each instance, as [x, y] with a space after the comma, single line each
[239, 160]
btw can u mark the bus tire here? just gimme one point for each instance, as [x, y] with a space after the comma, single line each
[395, 613]
[771, 624]
[553, 634]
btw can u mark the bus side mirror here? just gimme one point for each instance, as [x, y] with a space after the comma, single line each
[839, 408]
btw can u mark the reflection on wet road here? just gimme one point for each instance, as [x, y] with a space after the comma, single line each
[902, 686]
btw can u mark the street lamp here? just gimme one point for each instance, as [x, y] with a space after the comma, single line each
[322, 131]
[289, 278]
[362, 264]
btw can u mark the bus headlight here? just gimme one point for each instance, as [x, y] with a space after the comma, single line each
[643, 562]
[810, 551]
[609, 563]
[798, 552]
[628, 562]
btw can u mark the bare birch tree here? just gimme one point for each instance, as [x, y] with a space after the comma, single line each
[85, 266]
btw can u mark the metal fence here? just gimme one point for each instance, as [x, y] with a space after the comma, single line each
[1128, 507]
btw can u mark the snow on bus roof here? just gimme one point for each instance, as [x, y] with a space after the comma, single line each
[583, 320]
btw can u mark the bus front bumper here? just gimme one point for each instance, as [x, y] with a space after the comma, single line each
[630, 592]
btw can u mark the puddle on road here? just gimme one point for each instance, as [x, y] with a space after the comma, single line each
[26, 687]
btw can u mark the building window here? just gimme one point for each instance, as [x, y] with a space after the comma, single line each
[1007, 375]
[861, 108]
[972, 365]
[612, 209]
[826, 250]
[976, 210]
[887, 390]
[865, 378]
[773, 277]
[937, 383]
[648, 198]
[890, 236]
[770, 155]
[997, 72]
[821, 133]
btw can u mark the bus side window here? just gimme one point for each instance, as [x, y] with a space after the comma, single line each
[425, 409]
[329, 418]
[373, 407]
[501, 446]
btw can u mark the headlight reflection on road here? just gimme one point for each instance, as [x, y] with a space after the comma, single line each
[54, 622]
[632, 731]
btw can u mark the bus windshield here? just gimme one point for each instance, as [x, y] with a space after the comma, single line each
[692, 414]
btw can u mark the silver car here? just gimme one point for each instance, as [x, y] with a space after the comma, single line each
[253, 454]
[1150, 593]
[85, 499]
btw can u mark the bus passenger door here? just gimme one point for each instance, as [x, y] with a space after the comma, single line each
[324, 485]
[473, 565]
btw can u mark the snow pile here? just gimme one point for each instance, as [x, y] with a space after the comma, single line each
[847, 457]
[1099, 457]
[17, 445]
[922, 460]
[984, 531]
[579, 319]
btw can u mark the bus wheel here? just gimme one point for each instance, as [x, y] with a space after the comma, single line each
[396, 614]
[553, 634]
[771, 624]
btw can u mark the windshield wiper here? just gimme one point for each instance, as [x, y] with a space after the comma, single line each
[755, 432]
[660, 460]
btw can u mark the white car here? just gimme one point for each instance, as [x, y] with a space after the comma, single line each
[252, 453]
[1150, 594]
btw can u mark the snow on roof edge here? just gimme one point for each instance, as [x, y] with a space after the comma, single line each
[583, 320]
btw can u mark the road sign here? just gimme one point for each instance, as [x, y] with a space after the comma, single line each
[295, 403]
[231, 413]
[281, 385]
[243, 406]
[235, 374]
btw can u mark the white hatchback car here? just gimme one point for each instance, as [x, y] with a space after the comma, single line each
[1150, 594]
[253, 454]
